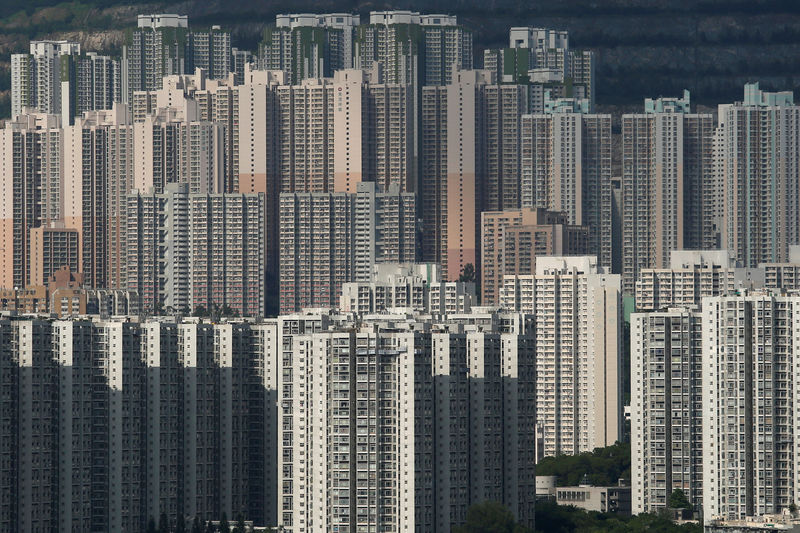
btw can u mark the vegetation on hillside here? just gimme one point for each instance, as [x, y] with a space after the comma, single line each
[644, 48]
[552, 518]
[493, 517]
[602, 467]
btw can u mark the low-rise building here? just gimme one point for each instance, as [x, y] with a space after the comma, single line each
[601, 499]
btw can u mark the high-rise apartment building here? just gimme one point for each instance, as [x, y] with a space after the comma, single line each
[162, 45]
[566, 166]
[783, 275]
[406, 428]
[749, 382]
[691, 276]
[36, 77]
[336, 133]
[328, 239]
[316, 248]
[667, 408]
[110, 424]
[668, 182]
[470, 162]
[306, 45]
[758, 178]
[433, 174]
[413, 49]
[511, 241]
[503, 107]
[56, 78]
[241, 60]
[72, 175]
[156, 48]
[578, 323]
[542, 59]
[89, 82]
[30, 188]
[175, 149]
[209, 50]
[50, 249]
[187, 251]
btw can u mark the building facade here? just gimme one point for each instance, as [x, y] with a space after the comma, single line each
[691, 276]
[749, 378]
[566, 166]
[110, 424]
[511, 240]
[668, 181]
[187, 252]
[666, 408]
[453, 425]
[328, 239]
[759, 182]
[578, 322]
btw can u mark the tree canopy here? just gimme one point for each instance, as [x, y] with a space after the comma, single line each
[490, 517]
[602, 467]
[467, 274]
[553, 518]
[493, 517]
[678, 500]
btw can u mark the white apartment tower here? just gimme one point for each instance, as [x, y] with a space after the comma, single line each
[305, 45]
[406, 429]
[691, 276]
[328, 239]
[578, 323]
[566, 166]
[36, 77]
[413, 49]
[759, 179]
[750, 380]
[667, 178]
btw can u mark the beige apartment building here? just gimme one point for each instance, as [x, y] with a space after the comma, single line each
[511, 241]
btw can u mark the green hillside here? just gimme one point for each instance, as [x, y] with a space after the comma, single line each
[645, 48]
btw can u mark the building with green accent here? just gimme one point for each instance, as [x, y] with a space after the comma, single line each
[162, 45]
[308, 45]
[414, 49]
[758, 175]
[542, 57]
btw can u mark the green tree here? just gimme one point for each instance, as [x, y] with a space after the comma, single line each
[553, 518]
[678, 500]
[490, 517]
[240, 525]
[467, 273]
[223, 524]
[601, 467]
[200, 311]
[196, 525]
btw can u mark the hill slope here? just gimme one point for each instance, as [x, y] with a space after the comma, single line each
[644, 47]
